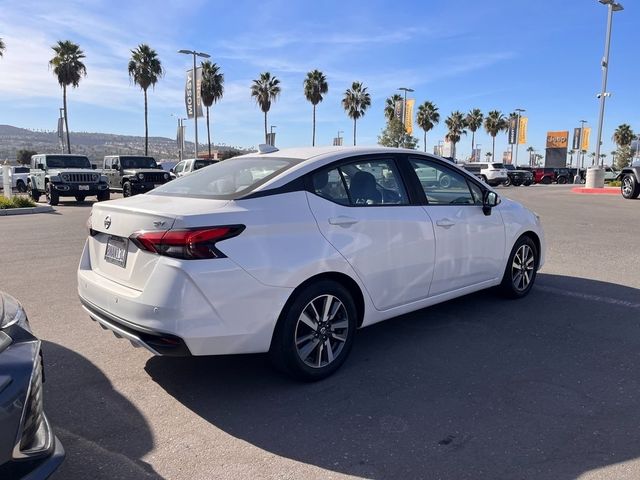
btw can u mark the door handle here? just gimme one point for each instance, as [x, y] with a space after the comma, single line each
[342, 221]
[445, 223]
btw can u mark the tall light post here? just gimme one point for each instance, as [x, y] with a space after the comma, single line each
[519, 112]
[272, 140]
[612, 6]
[193, 89]
[61, 129]
[180, 136]
[404, 107]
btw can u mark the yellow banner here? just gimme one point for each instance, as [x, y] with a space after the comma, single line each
[522, 130]
[408, 116]
[558, 139]
[586, 133]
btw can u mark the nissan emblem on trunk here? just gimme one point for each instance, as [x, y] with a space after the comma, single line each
[107, 222]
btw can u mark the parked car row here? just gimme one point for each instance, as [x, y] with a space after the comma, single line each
[18, 176]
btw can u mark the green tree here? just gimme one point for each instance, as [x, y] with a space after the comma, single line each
[226, 154]
[24, 156]
[2, 47]
[355, 102]
[488, 155]
[315, 86]
[623, 136]
[211, 90]
[265, 90]
[456, 128]
[145, 70]
[473, 120]
[69, 69]
[494, 123]
[390, 106]
[395, 135]
[426, 118]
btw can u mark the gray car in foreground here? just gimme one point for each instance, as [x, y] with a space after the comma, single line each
[28, 447]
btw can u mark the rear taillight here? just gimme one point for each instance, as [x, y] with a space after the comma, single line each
[191, 244]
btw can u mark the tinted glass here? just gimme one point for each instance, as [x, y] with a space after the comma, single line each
[202, 163]
[64, 161]
[138, 162]
[497, 165]
[441, 185]
[329, 184]
[230, 179]
[374, 182]
[21, 170]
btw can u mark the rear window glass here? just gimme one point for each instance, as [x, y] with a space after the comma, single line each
[202, 163]
[497, 165]
[228, 180]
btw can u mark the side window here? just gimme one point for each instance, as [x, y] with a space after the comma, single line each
[374, 182]
[442, 185]
[328, 184]
[179, 167]
[476, 191]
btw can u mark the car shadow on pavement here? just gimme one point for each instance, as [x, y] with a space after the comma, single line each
[89, 416]
[478, 387]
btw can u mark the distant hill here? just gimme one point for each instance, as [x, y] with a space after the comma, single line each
[94, 145]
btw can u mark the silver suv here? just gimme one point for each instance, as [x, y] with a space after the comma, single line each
[490, 173]
[64, 175]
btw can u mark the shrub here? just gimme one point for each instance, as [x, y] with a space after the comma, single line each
[16, 202]
[614, 183]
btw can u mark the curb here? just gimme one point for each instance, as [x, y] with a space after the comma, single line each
[26, 211]
[597, 191]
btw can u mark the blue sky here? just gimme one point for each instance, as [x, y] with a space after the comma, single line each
[541, 56]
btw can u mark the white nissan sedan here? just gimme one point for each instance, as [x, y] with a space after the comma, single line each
[290, 252]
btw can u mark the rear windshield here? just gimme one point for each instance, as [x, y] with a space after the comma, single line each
[64, 161]
[229, 179]
[202, 163]
[138, 162]
[497, 165]
[21, 170]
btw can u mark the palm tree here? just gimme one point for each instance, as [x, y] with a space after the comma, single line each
[623, 135]
[145, 70]
[456, 128]
[473, 120]
[211, 90]
[2, 47]
[488, 155]
[69, 69]
[426, 118]
[265, 90]
[390, 105]
[494, 123]
[315, 86]
[355, 102]
[530, 149]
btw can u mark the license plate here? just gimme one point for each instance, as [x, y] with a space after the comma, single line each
[83, 187]
[116, 251]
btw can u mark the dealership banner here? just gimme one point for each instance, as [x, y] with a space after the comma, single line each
[522, 130]
[399, 109]
[576, 139]
[188, 93]
[408, 116]
[586, 134]
[513, 130]
[558, 139]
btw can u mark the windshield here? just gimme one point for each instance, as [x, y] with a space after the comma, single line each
[64, 161]
[138, 162]
[229, 179]
[497, 165]
[198, 164]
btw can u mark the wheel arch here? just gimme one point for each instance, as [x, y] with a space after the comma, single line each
[535, 239]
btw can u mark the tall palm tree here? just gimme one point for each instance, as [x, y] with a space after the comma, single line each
[315, 86]
[211, 90]
[426, 118]
[69, 69]
[265, 90]
[623, 135]
[494, 123]
[456, 128]
[355, 102]
[390, 105]
[145, 70]
[473, 121]
[2, 47]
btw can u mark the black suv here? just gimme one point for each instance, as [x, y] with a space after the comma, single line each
[131, 174]
[518, 177]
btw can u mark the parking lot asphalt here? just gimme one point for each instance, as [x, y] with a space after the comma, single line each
[477, 388]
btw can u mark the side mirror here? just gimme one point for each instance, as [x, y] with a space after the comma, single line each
[490, 200]
[94, 166]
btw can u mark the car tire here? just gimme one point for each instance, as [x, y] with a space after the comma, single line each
[517, 183]
[80, 198]
[34, 194]
[484, 179]
[630, 188]
[445, 181]
[507, 182]
[53, 197]
[521, 270]
[103, 196]
[127, 191]
[546, 180]
[308, 344]
[562, 180]
[21, 187]
[526, 184]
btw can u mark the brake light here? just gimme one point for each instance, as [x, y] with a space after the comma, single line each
[190, 244]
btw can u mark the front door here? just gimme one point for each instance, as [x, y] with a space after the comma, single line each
[363, 210]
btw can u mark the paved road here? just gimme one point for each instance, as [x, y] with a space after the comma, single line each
[546, 387]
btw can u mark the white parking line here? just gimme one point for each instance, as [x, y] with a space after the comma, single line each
[586, 296]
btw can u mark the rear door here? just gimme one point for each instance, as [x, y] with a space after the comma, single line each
[363, 209]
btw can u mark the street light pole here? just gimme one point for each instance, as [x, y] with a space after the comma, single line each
[612, 6]
[519, 111]
[273, 143]
[193, 89]
[404, 108]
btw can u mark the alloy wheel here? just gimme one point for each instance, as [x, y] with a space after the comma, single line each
[627, 186]
[522, 268]
[321, 331]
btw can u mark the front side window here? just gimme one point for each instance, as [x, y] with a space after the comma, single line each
[179, 167]
[198, 164]
[330, 185]
[442, 185]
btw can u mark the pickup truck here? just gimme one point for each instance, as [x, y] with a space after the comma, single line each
[19, 176]
[191, 165]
